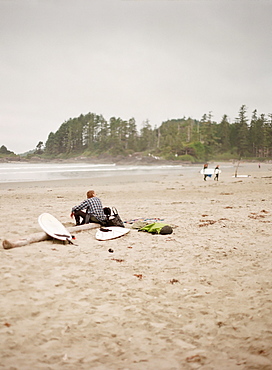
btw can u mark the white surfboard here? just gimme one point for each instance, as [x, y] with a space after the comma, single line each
[241, 176]
[209, 171]
[110, 232]
[53, 227]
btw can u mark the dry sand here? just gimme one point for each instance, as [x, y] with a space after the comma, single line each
[199, 298]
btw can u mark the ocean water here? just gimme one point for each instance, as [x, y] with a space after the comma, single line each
[28, 172]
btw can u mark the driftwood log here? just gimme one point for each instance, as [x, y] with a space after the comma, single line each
[38, 237]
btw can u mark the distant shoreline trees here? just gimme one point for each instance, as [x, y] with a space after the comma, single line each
[175, 139]
[185, 139]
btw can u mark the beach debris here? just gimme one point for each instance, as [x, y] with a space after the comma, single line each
[196, 358]
[223, 219]
[7, 324]
[211, 222]
[256, 216]
[117, 260]
[206, 222]
[261, 216]
[110, 250]
[65, 357]
[139, 276]
[170, 239]
[174, 281]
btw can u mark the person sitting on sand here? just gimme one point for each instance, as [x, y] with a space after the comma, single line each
[93, 210]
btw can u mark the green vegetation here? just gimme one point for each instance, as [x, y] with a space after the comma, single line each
[5, 153]
[183, 139]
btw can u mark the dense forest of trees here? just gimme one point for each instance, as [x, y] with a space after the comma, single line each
[184, 138]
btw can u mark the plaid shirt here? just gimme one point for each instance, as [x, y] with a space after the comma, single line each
[93, 206]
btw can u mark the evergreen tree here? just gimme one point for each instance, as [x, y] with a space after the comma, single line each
[268, 136]
[147, 137]
[208, 135]
[39, 148]
[132, 135]
[256, 134]
[224, 134]
[102, 134]
[4, 150]
[242, 132]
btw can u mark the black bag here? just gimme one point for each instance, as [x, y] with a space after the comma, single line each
[112, 217]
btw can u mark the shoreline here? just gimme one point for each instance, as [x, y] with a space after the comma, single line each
[85, 182]
[117, 177]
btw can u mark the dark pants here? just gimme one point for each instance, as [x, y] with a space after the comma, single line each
[82, 214]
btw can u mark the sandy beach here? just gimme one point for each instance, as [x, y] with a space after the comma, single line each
[200, 298]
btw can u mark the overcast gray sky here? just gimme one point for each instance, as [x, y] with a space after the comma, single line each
[147, 59]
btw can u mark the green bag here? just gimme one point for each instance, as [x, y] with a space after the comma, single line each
[157, 228]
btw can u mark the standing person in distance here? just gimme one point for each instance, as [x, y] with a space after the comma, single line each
[216, 173]
[205, 168]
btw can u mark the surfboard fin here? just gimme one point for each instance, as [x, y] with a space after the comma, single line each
[70, 242]
[67, 238]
